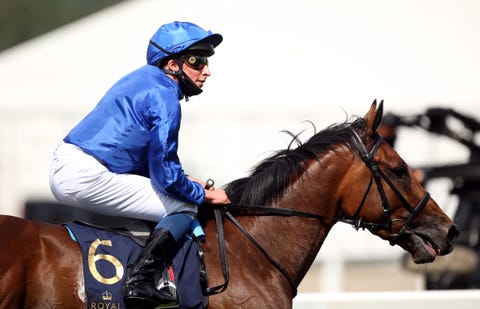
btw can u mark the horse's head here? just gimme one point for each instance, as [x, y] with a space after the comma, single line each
[393, 204]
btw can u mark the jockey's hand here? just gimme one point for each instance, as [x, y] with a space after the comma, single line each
[216, 197]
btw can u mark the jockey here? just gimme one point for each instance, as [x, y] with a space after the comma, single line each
[121, 159]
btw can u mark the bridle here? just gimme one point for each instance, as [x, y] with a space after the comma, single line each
[256, 210]
[378, 175]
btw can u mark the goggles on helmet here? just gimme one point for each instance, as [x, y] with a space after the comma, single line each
[196, 62]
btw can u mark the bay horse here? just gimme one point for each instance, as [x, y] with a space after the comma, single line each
[279, 218]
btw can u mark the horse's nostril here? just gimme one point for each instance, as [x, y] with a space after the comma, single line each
[453, 233]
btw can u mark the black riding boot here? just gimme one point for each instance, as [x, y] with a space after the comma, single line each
[139, 288]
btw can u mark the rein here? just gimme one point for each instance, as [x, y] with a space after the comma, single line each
[256, 210]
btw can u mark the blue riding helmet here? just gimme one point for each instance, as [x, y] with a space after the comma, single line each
[176, 37]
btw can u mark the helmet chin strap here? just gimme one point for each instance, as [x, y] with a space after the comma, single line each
[187, 85]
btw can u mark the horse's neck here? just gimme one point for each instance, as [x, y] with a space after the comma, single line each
[295, 242]
[315, 192]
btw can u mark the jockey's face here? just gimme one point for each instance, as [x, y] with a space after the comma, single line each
[196, 67]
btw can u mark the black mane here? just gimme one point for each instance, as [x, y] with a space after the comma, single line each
[270, 177]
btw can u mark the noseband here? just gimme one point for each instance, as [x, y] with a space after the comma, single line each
[257, 210]
[378, 175]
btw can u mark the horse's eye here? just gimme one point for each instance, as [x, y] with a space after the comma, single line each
[400, 171]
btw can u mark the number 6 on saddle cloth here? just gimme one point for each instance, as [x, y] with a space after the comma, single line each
[106, 255]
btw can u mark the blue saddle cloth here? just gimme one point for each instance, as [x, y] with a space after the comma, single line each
[106, 255]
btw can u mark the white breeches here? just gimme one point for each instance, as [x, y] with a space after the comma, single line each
[78, 179]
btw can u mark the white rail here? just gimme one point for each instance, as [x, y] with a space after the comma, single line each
[461, 299]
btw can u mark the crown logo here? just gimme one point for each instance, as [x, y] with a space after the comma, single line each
[107, 295]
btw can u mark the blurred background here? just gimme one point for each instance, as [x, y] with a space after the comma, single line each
[281, 63]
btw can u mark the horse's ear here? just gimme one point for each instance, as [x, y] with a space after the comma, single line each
[374, 117]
